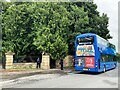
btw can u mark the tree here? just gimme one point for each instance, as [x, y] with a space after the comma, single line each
[31, 28]
[18, 30]
[50, 31]
[97, 24]
[78, 18]
[91, 22]
[118, 57]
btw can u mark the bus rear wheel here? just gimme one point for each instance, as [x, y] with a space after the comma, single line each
[104, 69]
[114, 65]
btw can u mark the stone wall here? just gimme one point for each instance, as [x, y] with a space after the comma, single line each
[45, 62]
[68, 61]
[9, 60]
[24, 65]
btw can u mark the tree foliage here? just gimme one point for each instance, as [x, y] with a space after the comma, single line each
[34, 27]
[118, 57]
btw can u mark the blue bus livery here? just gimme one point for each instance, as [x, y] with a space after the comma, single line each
[93, 53]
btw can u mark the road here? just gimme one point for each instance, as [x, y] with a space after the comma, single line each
[108, 79]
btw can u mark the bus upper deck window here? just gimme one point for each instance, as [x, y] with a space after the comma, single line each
[78, 41]
[85, 40]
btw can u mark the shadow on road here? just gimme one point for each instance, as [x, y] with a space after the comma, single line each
[88, 73]
[91, 73]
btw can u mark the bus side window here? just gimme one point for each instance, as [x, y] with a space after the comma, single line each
[102, 58]
[114, 58]
[109, 57]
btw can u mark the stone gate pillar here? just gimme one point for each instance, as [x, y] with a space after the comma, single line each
[9, 60]
[45, 62]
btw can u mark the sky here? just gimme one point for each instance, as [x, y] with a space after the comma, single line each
[110, 7]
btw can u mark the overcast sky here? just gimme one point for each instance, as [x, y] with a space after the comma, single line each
[110, 7]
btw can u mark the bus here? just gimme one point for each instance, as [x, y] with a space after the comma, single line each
[94, 54]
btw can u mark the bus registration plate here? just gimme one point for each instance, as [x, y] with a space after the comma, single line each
[85, 68]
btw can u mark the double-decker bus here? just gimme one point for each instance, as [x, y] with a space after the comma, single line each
[94, 54]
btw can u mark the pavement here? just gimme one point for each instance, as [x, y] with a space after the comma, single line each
[13, 74]
[12, 77]
[8, 76]
[26, 78]
[108, 79]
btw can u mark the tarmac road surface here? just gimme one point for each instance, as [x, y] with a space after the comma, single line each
[108, 79]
